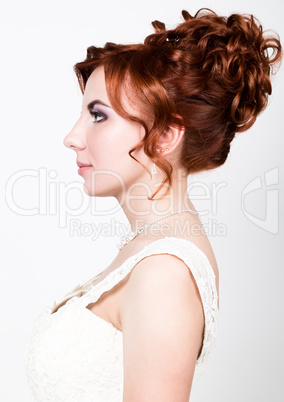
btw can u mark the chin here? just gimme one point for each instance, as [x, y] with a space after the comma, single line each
[102, 190]
[95, 192]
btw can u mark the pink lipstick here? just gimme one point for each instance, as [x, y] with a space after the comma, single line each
[83, 167]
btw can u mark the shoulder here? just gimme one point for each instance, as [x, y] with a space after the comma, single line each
[157, 271]
[161, 270]
[158, 282]
[162, 325]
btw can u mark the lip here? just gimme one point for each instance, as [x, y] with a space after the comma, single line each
[83, 167]
[80, 164]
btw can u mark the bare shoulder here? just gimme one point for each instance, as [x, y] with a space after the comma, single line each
[157, 272]
[162, 325]
[161, 283]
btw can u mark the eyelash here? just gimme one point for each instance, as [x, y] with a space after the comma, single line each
[96, 115]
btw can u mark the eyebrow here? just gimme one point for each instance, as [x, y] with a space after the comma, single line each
[96, 102]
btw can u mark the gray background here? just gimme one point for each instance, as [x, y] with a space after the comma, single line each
[42, 259]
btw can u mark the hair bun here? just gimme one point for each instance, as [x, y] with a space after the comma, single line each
[250, 59]
[232, 52]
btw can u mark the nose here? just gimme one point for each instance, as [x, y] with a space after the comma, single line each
[75, 139]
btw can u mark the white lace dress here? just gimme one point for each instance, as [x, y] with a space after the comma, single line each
[74, 355]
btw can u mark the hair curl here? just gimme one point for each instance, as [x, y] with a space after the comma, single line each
[211, 74]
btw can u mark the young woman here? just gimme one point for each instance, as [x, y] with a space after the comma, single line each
[153, 113]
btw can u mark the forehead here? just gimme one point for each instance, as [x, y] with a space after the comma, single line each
[96, 87]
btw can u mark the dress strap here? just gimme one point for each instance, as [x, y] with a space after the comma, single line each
[200, 267]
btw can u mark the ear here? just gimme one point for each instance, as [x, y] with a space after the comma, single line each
[170, 139]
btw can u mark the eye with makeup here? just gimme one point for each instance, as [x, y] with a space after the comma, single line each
[98, 117]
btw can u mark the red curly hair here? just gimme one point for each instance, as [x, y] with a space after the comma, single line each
[211, 75]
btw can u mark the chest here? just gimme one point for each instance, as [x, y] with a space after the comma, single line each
[108, 306]
[73, 352]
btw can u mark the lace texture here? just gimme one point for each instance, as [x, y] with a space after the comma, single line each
[74, 355]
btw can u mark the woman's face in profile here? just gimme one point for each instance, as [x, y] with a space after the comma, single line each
[102, 139]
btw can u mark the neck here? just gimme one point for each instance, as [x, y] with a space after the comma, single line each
[140, 211]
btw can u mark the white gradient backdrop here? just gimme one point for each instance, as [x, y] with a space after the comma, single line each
[42, 259]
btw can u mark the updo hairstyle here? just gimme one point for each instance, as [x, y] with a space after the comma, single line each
[211, 75]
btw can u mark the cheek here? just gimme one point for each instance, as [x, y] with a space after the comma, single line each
[99, 145]
[107, 152]
[108, 146]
